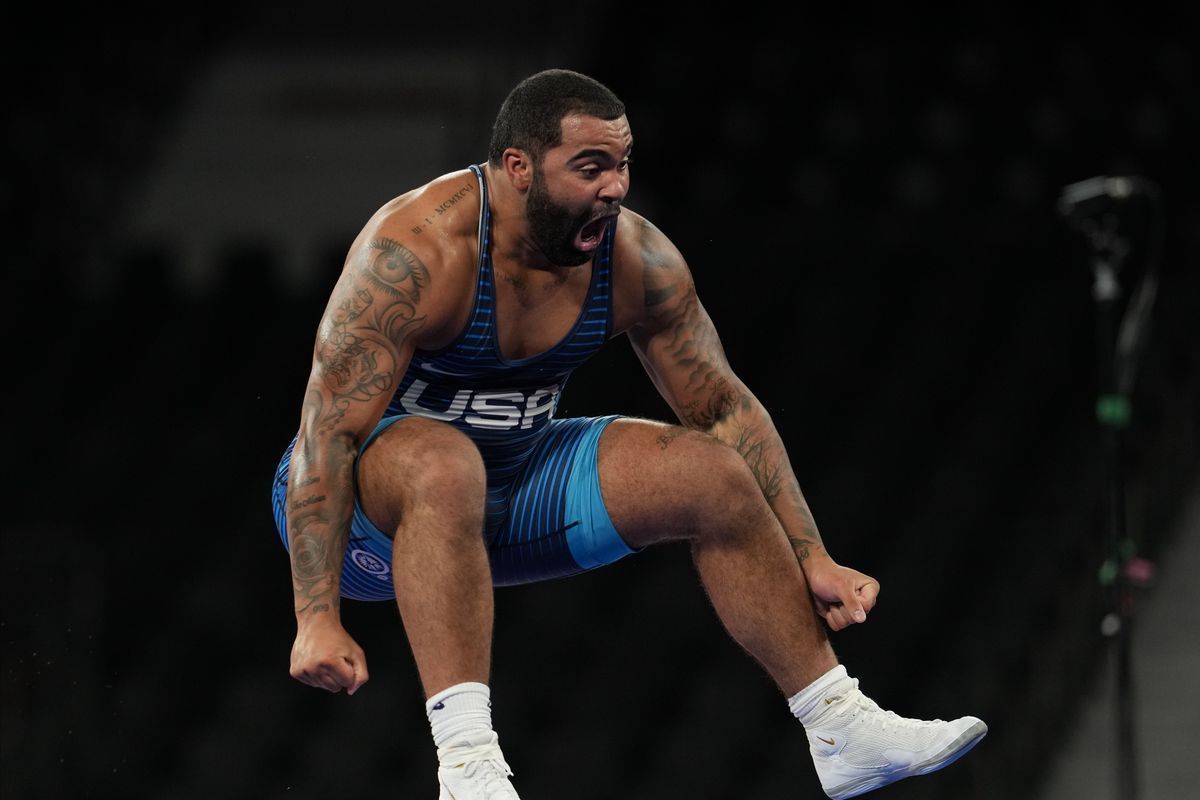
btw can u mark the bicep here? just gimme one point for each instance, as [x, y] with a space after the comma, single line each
[365, 339]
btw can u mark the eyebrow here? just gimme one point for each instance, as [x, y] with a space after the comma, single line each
[596, 152]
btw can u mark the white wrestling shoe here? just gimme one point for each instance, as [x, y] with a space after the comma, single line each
[857, 746]
[474, 769]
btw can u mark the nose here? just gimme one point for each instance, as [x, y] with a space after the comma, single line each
[615, 187]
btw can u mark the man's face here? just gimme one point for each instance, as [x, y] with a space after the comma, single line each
[577, 189]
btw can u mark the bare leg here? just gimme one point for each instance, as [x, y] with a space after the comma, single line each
[425, 481]
[661, 483]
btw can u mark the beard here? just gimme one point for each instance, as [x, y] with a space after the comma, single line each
[553, 227]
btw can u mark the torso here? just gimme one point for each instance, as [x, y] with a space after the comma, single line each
[535, 313]
[505, 346]
[534, 309]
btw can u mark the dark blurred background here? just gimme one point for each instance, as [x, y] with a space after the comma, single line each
[868, 205]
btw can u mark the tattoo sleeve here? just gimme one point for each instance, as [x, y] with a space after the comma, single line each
[682, 352]
[739, 420]
[754, 436]
[362, 348]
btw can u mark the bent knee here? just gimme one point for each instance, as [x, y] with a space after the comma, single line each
[714, 468]
[418, 461]
[732, 480]
[667, 482]
[727, 494]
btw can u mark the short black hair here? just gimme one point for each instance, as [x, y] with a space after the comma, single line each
[531, 116]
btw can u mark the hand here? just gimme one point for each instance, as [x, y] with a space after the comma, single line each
[843, 596]
[326, 657]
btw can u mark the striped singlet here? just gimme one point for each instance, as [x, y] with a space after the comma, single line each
[503, 406]
[545, 517]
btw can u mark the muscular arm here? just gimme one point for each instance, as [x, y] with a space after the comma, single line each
[363, 346]
[681, 351]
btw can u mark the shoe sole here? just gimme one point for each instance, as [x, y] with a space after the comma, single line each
[944, 758]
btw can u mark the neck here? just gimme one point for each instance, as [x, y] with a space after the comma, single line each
[511, 242]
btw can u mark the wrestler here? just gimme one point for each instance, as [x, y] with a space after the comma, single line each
[429, 466]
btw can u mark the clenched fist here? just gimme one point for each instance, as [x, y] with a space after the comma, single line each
[843, 596]
[325, 656]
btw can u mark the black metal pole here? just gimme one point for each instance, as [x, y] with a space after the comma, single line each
[1092, 207]
[1113, 413]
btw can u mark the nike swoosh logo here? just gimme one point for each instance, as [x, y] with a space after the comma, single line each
[429, 367]
[829, 742]
[525, 543]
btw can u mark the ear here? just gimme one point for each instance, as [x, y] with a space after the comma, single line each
[518, 166]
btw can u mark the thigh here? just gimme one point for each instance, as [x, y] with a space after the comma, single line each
[555, 523]
[663, 482]
[392, 458]
[410, 461]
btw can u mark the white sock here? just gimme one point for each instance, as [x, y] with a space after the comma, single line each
[461, 713]
[807, 705]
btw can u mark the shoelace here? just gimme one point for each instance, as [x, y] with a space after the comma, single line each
[856, 702]
[483, 762]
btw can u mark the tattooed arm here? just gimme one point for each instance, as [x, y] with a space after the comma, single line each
[363, 345]
[679, 347]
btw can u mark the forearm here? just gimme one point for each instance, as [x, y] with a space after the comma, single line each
[320, 508]
[747, 427]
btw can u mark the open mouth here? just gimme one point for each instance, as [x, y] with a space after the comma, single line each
[589, 235]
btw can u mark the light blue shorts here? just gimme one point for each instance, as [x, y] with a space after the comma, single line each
[548, 521]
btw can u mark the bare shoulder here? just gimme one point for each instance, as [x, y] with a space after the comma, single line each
[437, 214]
[651, 277]
[425, 242]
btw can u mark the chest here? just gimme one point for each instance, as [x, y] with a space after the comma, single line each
[535, 313]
